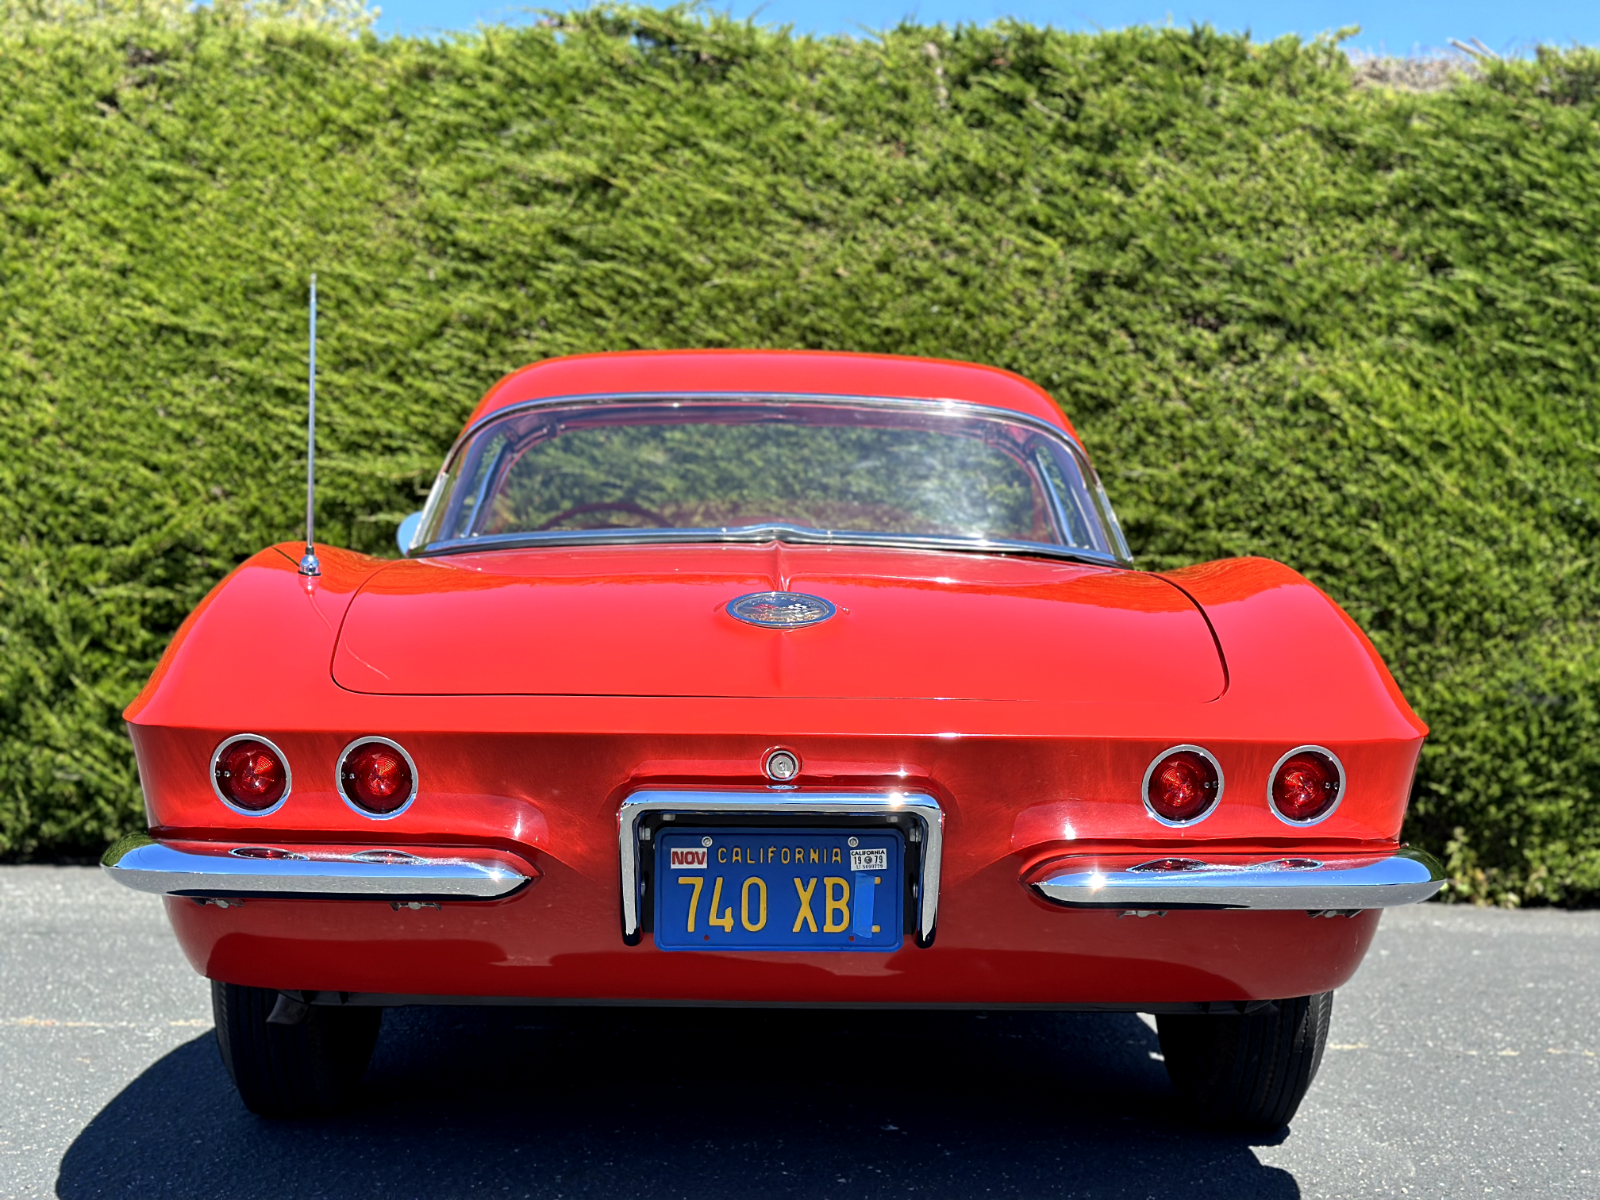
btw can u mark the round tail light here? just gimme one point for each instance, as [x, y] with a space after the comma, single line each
[377, 777]
[1182, 786]
[1306, 786]
[250, 774]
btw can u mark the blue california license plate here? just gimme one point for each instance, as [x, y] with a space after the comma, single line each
[779, 889]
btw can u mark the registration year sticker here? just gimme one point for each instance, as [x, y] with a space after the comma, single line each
[869, 860]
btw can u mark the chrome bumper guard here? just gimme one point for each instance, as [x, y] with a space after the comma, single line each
[1331, 883]
[221, 869]
[923, 810]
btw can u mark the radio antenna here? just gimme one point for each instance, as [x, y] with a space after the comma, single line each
[309, 564]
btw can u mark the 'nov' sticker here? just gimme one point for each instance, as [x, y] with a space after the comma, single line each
[690, 858]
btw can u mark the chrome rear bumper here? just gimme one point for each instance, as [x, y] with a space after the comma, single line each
[224, 869]
[1314, 883]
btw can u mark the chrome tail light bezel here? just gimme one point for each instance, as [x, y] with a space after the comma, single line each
[228, 802]
[338, 776]
[1144, 786]
[1338, 797]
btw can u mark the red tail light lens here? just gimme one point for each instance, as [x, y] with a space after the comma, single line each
[377, 777]
[1307, 785]
[1182, 785]
[250, 774]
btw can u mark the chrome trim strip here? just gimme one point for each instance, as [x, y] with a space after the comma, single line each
[1144, 788]
[797, 535]
[1350, 882]
[845, 804]
[398, 999]
[338, 777]
[144, 864]
[1338, 797]
[1058, 510]
[960, 408]
[288, 775]
[436, 495]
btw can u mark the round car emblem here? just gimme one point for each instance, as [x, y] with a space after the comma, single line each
[781, 610]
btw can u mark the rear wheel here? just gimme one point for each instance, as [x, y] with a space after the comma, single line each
[1247, 1071]
[305, 1063]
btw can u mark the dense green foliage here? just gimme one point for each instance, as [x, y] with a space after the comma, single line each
[1351, 328]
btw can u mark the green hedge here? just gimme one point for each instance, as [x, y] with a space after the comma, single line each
[1351, 328]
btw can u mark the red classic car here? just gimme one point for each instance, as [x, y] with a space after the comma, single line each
[772, 679]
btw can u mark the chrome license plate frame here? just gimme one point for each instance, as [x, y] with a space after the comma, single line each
[917, 814]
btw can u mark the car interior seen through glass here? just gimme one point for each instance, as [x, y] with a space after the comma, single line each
[886, 473]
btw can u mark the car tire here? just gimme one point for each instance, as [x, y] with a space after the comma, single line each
[309, 1068]
[1247, 1071]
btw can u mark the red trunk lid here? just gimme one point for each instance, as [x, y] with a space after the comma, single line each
[652, 621]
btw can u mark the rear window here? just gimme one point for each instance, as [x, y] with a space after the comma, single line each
[790, 470]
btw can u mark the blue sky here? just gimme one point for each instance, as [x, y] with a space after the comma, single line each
[1394, 26]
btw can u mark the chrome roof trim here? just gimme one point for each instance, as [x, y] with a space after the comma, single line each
[924, 808]
[966, 408]
[1350, 882]
[144, 864]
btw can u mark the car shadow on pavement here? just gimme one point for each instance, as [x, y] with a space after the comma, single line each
[548, 1102]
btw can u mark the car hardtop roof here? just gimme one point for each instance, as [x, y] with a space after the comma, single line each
[801, 372]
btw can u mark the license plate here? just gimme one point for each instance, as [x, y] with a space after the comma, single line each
[779, 889]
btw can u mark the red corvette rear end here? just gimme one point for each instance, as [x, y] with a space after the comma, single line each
[773, 679]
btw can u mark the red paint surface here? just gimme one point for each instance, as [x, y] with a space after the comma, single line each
[754, 372]
[537, 688]
[652, 621]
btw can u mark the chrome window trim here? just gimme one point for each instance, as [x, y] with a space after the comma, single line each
[732, 804]
[1124, 552]
[144, 864]
[1338, 796]
[1058, 509]
[1144, 787]
[338, 777]
[288, 774]
[967, 408]
[429, 507]
[797, 535]
[958, 408]
[1342, 882]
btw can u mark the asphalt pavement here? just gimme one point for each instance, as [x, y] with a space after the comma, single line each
[1463, 1062]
